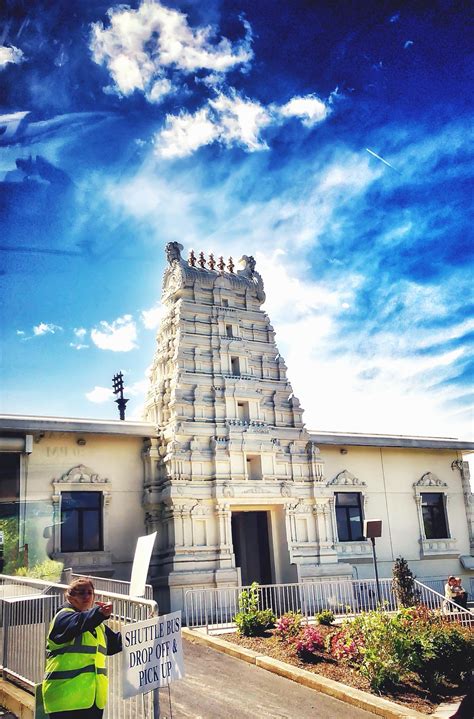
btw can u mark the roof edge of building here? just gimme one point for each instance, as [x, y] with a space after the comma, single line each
[27, 423]
[380, 440]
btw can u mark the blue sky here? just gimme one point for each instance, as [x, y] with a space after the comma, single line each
[331, 140]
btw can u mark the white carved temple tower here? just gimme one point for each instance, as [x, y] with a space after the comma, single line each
[233, 486]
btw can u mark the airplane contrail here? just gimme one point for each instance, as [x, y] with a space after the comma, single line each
[371, 152]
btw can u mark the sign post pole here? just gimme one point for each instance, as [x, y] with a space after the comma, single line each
[156, 704]
[379, 598]
[373, 529]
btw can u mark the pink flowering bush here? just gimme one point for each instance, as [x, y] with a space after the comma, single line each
[288, 626]
[310, 641]
[345, 644]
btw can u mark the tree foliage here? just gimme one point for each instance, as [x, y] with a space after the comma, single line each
[404, 584]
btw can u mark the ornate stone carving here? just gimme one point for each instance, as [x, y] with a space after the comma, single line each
[429, 480]
[173, 252]
[249, 266]
[81, 473]
[227, 490]
[346, 478]
[285, 489]
[249, 273]
[463, 468]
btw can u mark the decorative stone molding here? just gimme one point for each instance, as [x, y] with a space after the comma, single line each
[285, 489]
[430, 548]
[227, 490]
[346, 478]
[438, 547]
[429, 480]
[81, 473]
[468, 496]
[86, 562]
[81, 479]
[354, 550]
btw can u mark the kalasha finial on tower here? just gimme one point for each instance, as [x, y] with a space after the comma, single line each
[211, 261]
[117, 384]
[202, 260]
[230, 265]
[192, 259]
[221, 264]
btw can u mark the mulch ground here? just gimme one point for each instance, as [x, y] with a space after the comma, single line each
[411, 694]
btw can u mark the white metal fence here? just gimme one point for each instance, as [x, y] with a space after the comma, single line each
[215, 609]
[26, 608]
[106, 584]
[437, 602]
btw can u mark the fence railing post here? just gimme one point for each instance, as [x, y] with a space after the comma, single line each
[6, 626]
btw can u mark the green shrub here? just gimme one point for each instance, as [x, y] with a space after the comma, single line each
[388, 648]
[371, 643]
[13, 557]
[49, 570]
[325, 617]
[446, 654]
[254, 624]
[252, 621]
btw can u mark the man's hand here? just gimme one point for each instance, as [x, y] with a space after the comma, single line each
[105, 608]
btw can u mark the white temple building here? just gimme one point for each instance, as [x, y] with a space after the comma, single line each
[224, 469]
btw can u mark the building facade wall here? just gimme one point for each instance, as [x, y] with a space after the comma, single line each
[225, 471]
[391, 476]
[232, 440]
[112, 466]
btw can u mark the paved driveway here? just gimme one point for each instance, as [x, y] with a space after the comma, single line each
[220, 687]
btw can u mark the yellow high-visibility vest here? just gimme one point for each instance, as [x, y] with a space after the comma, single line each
[75, 675]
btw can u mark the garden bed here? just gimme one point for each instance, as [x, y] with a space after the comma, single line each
[409, 693]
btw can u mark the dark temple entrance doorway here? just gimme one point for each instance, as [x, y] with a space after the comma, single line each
[250, 537]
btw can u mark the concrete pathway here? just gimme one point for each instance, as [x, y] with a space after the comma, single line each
[218, 686]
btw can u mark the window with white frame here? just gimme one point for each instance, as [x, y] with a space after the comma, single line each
[349, 519]
[81, 522]
[432, 503]
[433, 509]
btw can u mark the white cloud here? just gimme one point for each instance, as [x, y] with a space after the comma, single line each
[137, 389]
[153, 49]
[78, 346]
[151, 318]
[310, 109]
[100, 395]
[20, 332]
[139, 47]
[228, 119]
[185, 133]
[10, 55]
[240, 120]
[232, 119]
[80, 332]
[45, 328]
[117, 336]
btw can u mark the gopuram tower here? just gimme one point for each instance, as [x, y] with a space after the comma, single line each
[233, 485]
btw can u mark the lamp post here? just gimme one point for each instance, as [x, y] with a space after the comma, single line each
[373, 529]
[117, 381]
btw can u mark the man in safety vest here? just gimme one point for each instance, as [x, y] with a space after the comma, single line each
[75, 680]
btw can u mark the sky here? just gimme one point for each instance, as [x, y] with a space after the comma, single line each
[330, 140]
